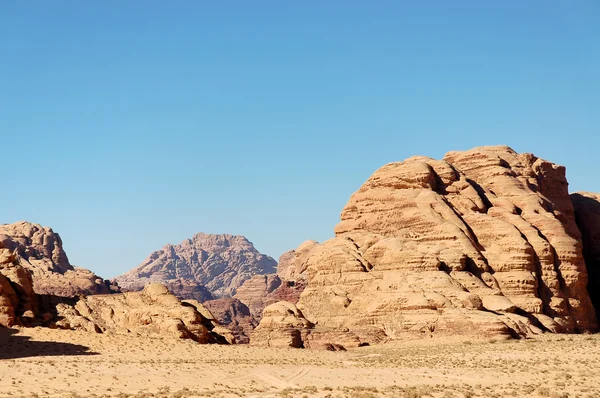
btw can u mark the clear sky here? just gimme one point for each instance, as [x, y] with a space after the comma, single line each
[126, 125]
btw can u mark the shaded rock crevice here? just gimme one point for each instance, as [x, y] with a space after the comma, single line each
[587, 216]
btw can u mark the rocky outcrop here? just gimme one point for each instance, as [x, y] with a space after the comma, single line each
[255, 292]
[262, 290]
[235, 316]
[483, 242]
[151, 312]
[243, 313]
[39, 250]
[189, 290]
[154, 311]
[18, 301]
[220, 263]
[290, 263]
[284, 325]
[587, 215]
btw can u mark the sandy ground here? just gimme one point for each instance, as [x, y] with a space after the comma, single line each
[57, 363]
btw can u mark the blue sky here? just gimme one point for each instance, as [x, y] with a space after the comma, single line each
[126, 125]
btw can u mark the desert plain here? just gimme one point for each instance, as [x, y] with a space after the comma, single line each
[42, 362]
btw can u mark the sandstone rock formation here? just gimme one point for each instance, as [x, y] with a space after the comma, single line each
[243, 313]
[262, 290]
[482, 242]
[152, 312]
[185, 289]
[40, 251]
[284, 325]
[291, 262]
[17, 298]
[220, 263]
[587, 215]
[235, 316]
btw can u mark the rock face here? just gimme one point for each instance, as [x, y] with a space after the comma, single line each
[17, 298]
[235, 316]
[152, 312]
[284, 325]
[261, 291]
[40, 251]
[185, 289]
[587, 215]
[290, 263]
[482, 242]
[243, 313]
[220, 263]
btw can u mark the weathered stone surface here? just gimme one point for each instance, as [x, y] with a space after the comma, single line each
[284, 325]
[587, 215]
[255, 292]
[220, 263]
[243, 313]
[234, 315]
[185, 289]
[17, 298]
[281, 326]
[482, 242]
[290, 263]
[262, 290]
[39, 250]
[154, 311]
[25, 249]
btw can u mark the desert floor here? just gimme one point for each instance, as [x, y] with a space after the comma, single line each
[40, 362]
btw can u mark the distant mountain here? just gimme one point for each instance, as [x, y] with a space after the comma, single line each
[203, 267]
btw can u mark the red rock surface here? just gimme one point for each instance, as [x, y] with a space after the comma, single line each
[235, 316]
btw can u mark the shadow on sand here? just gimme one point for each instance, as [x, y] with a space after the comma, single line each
[13, 347]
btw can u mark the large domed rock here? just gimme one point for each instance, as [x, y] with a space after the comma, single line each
[219, 263]
[40, 251]
[482, 242]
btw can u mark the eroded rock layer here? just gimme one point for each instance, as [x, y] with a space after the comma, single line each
[284, 325]
[151, 312]
[154, 311]
[39, 250]
[235, 316]
[482, 242]
[287, 284]
[219, 263]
